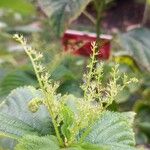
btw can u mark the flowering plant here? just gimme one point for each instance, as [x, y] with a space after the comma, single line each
[44, 120]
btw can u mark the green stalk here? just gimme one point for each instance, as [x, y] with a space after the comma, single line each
[97, 27]
[90, 72]
[41, 83]
[99, 7]
[50, 112]
[54, 122]
[47, 99]
[34, 67]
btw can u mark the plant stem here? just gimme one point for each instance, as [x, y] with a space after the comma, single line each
[35, 69]
[99, 7]
[54, 122]
[47, 97]
[90, 71]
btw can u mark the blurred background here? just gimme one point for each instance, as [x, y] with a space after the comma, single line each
[63, 31]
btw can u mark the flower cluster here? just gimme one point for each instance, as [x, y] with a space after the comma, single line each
[72, 116]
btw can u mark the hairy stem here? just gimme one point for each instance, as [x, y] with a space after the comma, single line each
[47, 102]
[54, 121]
[35, 69]
[43, 90]
[91, 69]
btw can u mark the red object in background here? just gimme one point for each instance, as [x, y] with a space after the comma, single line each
[79, 43]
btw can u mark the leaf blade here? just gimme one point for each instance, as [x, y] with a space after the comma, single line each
[62, 12]
[113, 130]
[33, 142]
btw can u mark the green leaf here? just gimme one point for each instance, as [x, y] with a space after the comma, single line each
[62, 12]
[113, 130]
[16, 119]
[16, 105]
[142, 108]
[21, 6]
[15, 79]
[13, 127]
[137, 45]
[121, 58]
[62, 72]
[33, 142]
[86, 146]
[67, 121]
[145, 127]
[71, 87]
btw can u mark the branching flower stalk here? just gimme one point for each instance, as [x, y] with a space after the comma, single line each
[43, 79]
[90, 74]
[73, 117]
[97, 93]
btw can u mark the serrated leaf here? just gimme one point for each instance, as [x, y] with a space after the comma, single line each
[14, 127]
[62, 12]
[86, 146]
[16, 105]
[33, 142]
[16, 119]
[137, 45]
[113, 130]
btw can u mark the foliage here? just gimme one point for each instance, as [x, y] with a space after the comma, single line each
[66, 71]
[62, 12]
[19, 100]
[29, 142]
[142, 108]
[20, 120]
[62, 67]
[15, 79]
[136, 54]
[109, 132]
[75, 121]
[21, 6]
[136, 45]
